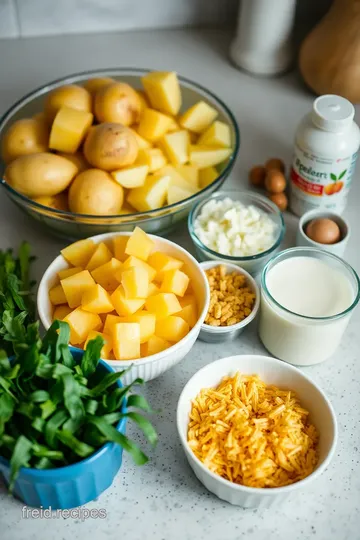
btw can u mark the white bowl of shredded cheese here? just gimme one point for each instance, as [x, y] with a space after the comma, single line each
[256, 420]
[243, 228]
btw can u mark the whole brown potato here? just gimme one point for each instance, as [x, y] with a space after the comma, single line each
[37, 175]
[26, 136]
[78, 160]
[94, 192]
[59, 201]
[110, 146]
[70, 95]
[93, 85]
[117, 102]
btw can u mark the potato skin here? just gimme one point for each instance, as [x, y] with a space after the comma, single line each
[110, 146]
[78, 160]
[93, 85]
[117, 102]
[94, 192]
[25, 136]
[59, 201]
[69, 95]
[42, 174]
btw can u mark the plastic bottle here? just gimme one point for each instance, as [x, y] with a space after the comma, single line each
[326, 148]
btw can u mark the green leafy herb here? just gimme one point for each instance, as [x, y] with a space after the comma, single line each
[53, 411]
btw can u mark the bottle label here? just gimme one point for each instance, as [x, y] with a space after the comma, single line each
[319, 182]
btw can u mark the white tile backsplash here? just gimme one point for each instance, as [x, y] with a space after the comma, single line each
[43, 17]
[8, 19]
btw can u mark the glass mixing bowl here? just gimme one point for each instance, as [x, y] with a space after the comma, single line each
[160, 221]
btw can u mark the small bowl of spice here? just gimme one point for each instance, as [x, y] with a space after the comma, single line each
[234, 301]
[324, 230]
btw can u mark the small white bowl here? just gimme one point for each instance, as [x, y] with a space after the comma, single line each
[271, 371]
[303, 240]
[218, 334]
[152, 366]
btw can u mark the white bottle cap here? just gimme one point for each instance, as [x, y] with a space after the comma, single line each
[332, 113]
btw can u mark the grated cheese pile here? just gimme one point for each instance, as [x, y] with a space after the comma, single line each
[253, 434]
[231, 228]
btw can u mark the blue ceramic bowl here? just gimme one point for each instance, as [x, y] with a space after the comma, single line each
[74, 485]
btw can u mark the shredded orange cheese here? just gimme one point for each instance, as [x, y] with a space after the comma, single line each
[252, 433]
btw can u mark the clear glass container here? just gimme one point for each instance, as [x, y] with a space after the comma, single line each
[254, 263]
[160, 221]
[299, 339]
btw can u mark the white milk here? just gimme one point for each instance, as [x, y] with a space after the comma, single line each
[308, 287]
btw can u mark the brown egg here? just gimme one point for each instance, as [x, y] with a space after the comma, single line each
[275, 181]
[280, 199]
[323, 231]
[275, 163]
[257, 175]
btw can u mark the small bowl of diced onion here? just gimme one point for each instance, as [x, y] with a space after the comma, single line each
[238, 227]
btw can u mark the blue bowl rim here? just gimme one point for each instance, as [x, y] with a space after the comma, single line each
[198, 243]
[125, 217]
[74, 467]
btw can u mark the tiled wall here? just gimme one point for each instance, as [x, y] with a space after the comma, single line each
[24, 18]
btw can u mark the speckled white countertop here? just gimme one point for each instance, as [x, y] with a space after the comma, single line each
[164, 500]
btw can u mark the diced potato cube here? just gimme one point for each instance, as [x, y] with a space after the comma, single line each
[57, 295]
[198, 117]
[79, 253]
[153, 124]
[218, 135]
[154, 345]
[163, 91]
[175, 281]
[126, 340]
[176, 146]
[189, 314]
[125, 306]
[143, 100]
[96, 300]
[140, 244]
[132, 176]
[153, 158]
[188, 300]
[142, 143]
[190, 173]
[172, 328]
[104, 275]
[176, 194]
[101, 255]
[119, 245]
[107, 347]
[147, 323]
[207, 176]
[74, 287]
[81, 324]
[162, 262]
[153, 289]
[151, 195]
[207, 156]
[69, 129]
[174, 126]
[163, 304]
[131, 262]
[60, 312]
[110, 321]
[176, 179]
[67, 272]
[135, 281]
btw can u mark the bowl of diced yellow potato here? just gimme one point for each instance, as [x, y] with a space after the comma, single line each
[144, 295]
[104, 151]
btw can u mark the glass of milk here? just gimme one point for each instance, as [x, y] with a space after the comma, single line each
[307, 298]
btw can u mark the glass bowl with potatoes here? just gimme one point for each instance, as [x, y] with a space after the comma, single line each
[144, 295]
[103, 151]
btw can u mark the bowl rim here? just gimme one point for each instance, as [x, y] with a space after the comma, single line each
[252, 490]
[225, 329]
[73, 468]
[123, 71]
[231, 193]
[154, 357]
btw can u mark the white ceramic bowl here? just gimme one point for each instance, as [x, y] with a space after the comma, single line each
[152, 366]
[218, 334]
[272, 372]
[336, 249]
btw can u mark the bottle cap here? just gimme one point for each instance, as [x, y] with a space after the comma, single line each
[332, 113]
